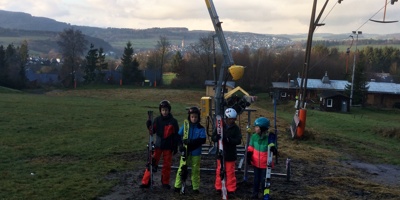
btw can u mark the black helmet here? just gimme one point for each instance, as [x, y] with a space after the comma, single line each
[164, 104]
[193, 110]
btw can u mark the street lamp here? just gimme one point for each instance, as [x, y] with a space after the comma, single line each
[354, 66]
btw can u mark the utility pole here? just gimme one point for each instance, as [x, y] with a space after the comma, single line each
[313, 26]
[354, 67]
[299, 120]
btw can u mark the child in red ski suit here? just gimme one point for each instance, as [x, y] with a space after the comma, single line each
[231, 137]
[165, 127]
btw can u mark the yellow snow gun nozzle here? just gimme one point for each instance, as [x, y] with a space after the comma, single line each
[236, 72]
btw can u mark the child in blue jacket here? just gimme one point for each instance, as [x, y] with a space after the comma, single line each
[196, 137]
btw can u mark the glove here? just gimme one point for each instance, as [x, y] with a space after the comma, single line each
[226, 139]
[249, 155]
[148, 123]
[155, 166]
[182, 149]
[218, 137]
[174, 150]
[186, 141]
[248, 130]
[274, 150]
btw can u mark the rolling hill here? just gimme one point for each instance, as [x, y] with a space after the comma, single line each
[41, 32]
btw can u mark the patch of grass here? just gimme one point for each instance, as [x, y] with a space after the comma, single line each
[69, 143]
[388, 132]
[168, 77]
[354, 133]
[8, 90]
[63, 144]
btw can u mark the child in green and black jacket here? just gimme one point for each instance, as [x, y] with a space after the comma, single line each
[257, 152]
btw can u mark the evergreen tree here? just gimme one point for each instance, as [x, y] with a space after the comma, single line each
[130, 70]
[13, 64]
[101, 65]
[3, 67]
[360, 88]
[91, 64]
[136, 73]
[23, 56]
[176, 63]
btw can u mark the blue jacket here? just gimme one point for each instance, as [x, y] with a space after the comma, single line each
[197, 136]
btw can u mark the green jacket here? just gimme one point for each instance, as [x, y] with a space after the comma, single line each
[258, 146]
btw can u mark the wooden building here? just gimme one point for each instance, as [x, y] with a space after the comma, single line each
[334, 101]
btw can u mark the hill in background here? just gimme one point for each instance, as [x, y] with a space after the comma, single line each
[41, 32]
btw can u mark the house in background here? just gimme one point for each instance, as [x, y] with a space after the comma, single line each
[334, 101]
[36, 79]
[383, 94]
[331, 92]
[112, 76]
[316, 86]
[210, 87]
[285, 91]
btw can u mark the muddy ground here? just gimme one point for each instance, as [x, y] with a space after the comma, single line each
[308, 180]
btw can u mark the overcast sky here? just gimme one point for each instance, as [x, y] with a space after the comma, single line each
[257, 16]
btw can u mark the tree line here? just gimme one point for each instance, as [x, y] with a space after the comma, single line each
[194, 64]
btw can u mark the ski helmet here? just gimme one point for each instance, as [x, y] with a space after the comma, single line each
[164, 104]
[230, 113]
[262, 122]
[194, 110]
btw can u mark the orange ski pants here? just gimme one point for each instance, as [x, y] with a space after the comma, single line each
[166, 169]
[230, 177]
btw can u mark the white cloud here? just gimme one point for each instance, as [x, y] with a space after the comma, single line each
[260, 16]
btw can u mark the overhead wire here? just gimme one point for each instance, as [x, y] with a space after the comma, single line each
[387, 2]
[327, 14]
[325, 56]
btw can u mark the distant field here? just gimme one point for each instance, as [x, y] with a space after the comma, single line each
[17, 40]
[168, 77]
[146, 43]
[343, 48]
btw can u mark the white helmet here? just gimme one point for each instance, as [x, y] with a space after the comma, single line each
[230, 113]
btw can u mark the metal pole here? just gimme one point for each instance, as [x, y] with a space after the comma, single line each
[313, 25]
[247, 145]
[354, 67]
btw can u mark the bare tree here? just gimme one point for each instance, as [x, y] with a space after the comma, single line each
[203, 50]
[162, 47]
[72, 45]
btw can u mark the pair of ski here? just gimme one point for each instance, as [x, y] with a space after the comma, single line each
[220, 132]
[184, 168]
[272, 141]
[150, 152]
[150, 148]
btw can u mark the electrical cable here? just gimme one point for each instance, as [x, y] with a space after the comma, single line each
[372, 17]
[327, 15]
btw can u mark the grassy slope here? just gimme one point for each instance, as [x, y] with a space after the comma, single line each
[70, 140]
[363, 132]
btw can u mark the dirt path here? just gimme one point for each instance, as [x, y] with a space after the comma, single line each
[319, 179]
